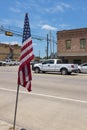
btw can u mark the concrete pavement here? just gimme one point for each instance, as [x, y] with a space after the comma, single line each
[7, 126]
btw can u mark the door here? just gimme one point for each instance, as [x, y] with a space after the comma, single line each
[84, 68]
[48, 65]
[58, 65]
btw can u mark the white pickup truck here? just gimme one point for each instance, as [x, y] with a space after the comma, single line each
[55, 65]
[11, 62]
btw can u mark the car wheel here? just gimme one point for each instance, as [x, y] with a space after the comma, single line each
[79, 71]
[37, 70]
[64, 71]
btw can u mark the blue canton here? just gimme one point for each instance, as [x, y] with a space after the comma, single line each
[26, 30]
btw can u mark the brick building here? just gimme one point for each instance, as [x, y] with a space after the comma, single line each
[72, 45]
[5, 51]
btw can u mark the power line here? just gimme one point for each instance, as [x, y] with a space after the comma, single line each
[19, 34]
[11, 32]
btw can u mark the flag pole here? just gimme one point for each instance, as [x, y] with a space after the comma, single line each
[16, 107]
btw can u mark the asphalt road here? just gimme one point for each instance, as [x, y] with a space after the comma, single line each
[56, 102]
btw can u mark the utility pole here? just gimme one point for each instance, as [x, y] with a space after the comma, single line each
[47, 45]
[50, 44]
[53, 46]
[39, 54]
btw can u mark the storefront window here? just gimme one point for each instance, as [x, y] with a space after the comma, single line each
[68, 44]
[82, 43]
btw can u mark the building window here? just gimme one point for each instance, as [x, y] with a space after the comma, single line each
[82, 43]
[77, 61]
[68, 44]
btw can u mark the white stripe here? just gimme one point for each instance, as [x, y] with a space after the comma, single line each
[28, 40]
[26, 58]
[27, 85]
[26, 73]
[21, 77]
[27, 49]
[61, 98]
[49, 96]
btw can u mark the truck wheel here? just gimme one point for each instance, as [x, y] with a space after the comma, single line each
[69, 73]
[43, 71]
[64, 71]
[37, 70]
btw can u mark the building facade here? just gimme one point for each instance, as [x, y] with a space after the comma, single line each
[72, 45]
[9, 51]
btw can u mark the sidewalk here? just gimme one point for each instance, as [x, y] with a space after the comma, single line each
[7, 126]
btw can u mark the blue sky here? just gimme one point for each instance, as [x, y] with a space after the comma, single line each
[45, 17]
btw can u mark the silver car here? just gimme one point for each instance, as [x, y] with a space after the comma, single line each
[82, 68]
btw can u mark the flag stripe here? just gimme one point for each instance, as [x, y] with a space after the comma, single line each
[26, 42]
[26, 52]
[25, 77]
[26, 59]
[27, 49]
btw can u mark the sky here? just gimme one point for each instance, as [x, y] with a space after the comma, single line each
[45, 17]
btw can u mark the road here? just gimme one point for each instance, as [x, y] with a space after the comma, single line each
[56, 102]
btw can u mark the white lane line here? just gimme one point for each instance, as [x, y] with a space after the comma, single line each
[45, 95]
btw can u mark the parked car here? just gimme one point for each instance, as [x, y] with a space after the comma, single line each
[82, 68]
[2, 63]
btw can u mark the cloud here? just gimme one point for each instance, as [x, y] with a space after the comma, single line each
[14, 42]
[65, 5]
[64, 26]
[11, 43]
[34, 44]
[60, 7]
[15, 10]
[5, 21]
[11, 24]
[48, 27]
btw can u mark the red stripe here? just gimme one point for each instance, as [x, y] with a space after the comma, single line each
[28, 69]
[29, 88]
[18, 78]
[26, 62]
[27, 44]
[24, 77]
[26, 53]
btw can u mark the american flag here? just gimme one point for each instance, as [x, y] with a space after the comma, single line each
[24, 71]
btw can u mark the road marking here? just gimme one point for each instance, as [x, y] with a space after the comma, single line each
[45, 95]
